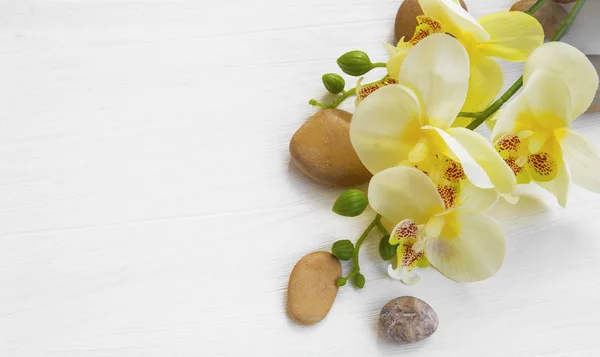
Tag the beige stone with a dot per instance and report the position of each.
(406, 18)
(551, 15)
(312, 289)
(321, 149)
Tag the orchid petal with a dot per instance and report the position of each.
(486, 156)
(548, 100)
(406, 235)
(385, 127)
(403, 193)
(437, 69)
(507, 119)
(583, 159)
(454, 18)
(560, 185)
(471, 248)
(476, 200)
(452, 148)
(514, 35)
(485, 83)
(572, 66)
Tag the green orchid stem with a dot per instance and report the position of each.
(538, 5)
(337, 102)
(483, 116)
(341, 98)
(379, 65)
(355, 265)
(382, 228)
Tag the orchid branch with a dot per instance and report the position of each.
(483, 116)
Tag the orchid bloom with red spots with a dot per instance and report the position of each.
(508, 35)
(532, 133)
(461, 243)
(409, 124)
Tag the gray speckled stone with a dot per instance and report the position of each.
(407, 319)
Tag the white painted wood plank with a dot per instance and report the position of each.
(149, 207)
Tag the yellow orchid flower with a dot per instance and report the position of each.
(532, 133)
(410, 124)
(461, 244)
(508, 35)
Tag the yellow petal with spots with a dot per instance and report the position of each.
(455, 19)
(405, 235)
(573, 67)
(485, 82)
(543, 166)
(513, 152)
(514, 35)
(471, 248)
(559, 186)
(450, 147)
(385, 127)
(583, 159)
(486, 156)
(403, 193)
(363, 91)
(426, 26)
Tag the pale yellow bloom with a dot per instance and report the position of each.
(532, 133)
(508, 35)
(410, 124)
(462, 244)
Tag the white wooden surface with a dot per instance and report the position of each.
(148, 206)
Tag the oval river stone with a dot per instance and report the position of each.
(322, 150)
(407, 319)
(312, 289)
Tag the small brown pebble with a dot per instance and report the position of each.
(322, 150)
(407, 319)
(406, 18)
(312, 289)
(551, 15)
(595, 107)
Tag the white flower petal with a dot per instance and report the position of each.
(582, 158)
(486, 156)
(450, 147)
(403, 193)
(385, 127)
(437, 69)
(403, 274)
(455, 18)
(573, 67)
(472, 250)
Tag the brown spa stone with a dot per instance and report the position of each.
(311, 288)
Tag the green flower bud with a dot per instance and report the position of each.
(340, 282)
(343, 249)
(351, 203)
(386, 250)
(359, 281)
(334, 83)
(355, 63)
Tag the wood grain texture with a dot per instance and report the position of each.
(149, 208)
